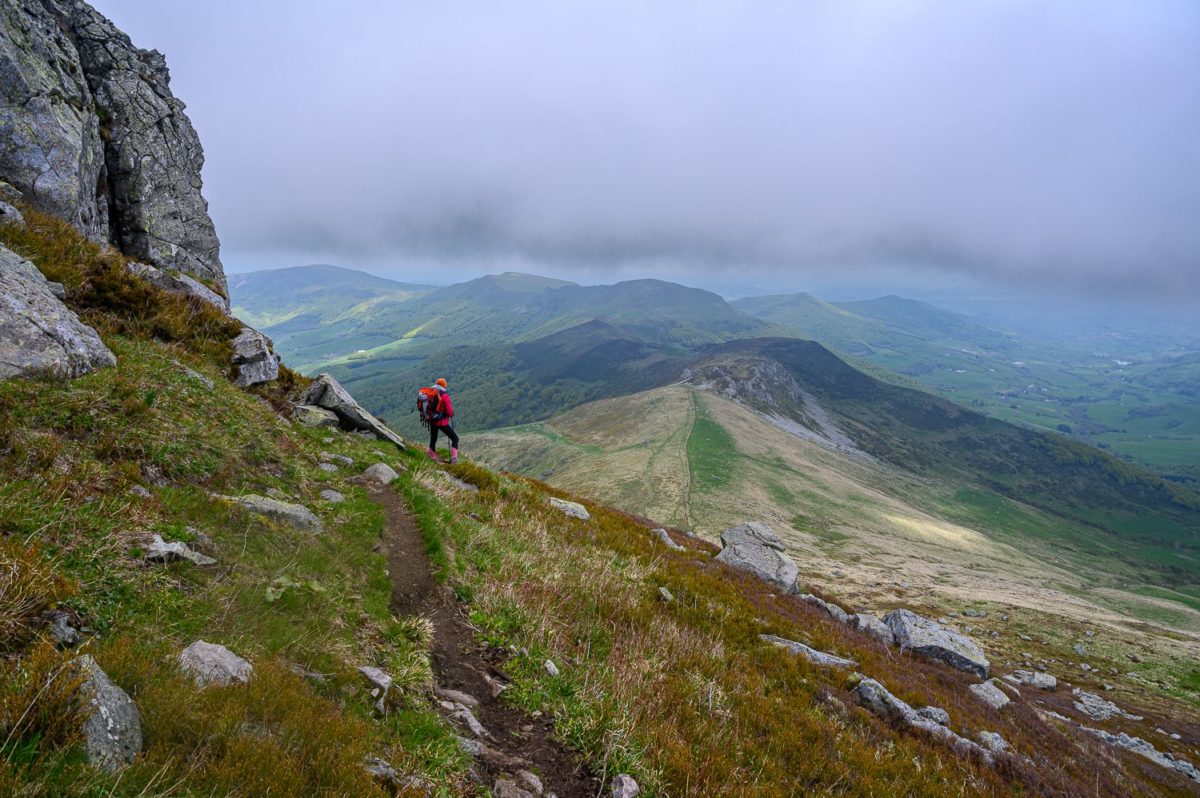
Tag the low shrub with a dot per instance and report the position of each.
(28, 587)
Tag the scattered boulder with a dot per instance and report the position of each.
(466, 717)
(931, 639)
(570, 509)
(332, 496)
(1098, 708)
(993, 742)
(665, 595)
(196, 376)
(459, 697)
(340, 459)
(10, 215)
(328, 393)
(665, 538)
(1139, 746)
(382, 772)
(975, 613)
(255, 358)
(623, 786)
(140, 491)
(112, 731)
(382, 473)
(1080, 649)
(935, 714)
(990, 693)
(550, 667)
(530, 782)
(507, 788)
(755, 548)
(834, 611)
(1042, 681)
(811, 654)
(876, 698)
(380, 683)
(328, 468)
(869, 624)
(295, 515)
(490, 756)
(61, 631)
(209, 663)
(161, 551)
(313, 416)
(38, 333)
(179, 284)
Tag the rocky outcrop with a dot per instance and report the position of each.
(664, 538)
(989, 692)
(312, 416)
(570, 509)
(254, 357)
(382, 473)
(833, 610)
(112, 728)
(623, 786)
(755, 548)
(876, 698)
(870, 625)
(814, 656)
(931, 639)
(38, 333)
(328, 393)
(295, 515)
(179, 283)
(1042, 681)
(1139, 746)
(160, 551)
(90, 132)
(209, 663)
(1098, 708)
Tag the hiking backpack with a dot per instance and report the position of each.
(427, 402)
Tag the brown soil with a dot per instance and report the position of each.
(461, 663)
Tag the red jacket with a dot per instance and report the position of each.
(444, 411)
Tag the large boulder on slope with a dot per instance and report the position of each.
(112, 728)
(295, 515)
(255, 358)
(179, 283)
(328, 393)
(38, 333)
(755, 548)
(930, 639)
(209, 663)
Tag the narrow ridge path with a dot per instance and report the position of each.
(518, 741)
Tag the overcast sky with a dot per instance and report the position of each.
(1042, 142)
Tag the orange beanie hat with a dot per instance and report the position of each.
(441, 381)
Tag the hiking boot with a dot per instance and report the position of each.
(432, 455)
(453, 455)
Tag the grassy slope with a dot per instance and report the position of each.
(682, 695)
(878, 525)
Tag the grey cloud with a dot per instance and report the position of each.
(1022, 140)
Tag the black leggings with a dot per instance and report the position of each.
(450, 433)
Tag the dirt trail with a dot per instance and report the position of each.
(518, 741)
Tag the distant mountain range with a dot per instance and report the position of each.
(384, 337)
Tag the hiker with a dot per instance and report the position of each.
(438, 414)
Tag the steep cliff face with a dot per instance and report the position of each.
(90, 131)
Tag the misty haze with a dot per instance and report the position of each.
(599, 399)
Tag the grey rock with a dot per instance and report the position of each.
(550, 667)
(877, 699)
(869, 624)
(1042, 681)
(255, 358)
(382, 772)
(571, 509)
(665, 539)
(381, 473)
(935, 714)
(507, 788)
(975, 613)
(1080, 649)
(993, 742)
(466, 717)
(834, 611)
(179, 283)
(196, 376)
(328, 393)
(490, 756)
(112, 730)
(755, 548)
(38, 333)
(1143, 748)
(90, 132)
(811, 654)
(295, 515)
(665, 595)
(1098, 708)
(455, 482)
(332, 496)
(530, 782)
(340, 459)
(140, 491)
(212, 664)
(162, 552)
(930, 639)
(313, 416)
(459, 697)
(61, 632)
(623, 786)
(990, 693)
(10, 215)
(328, 468)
